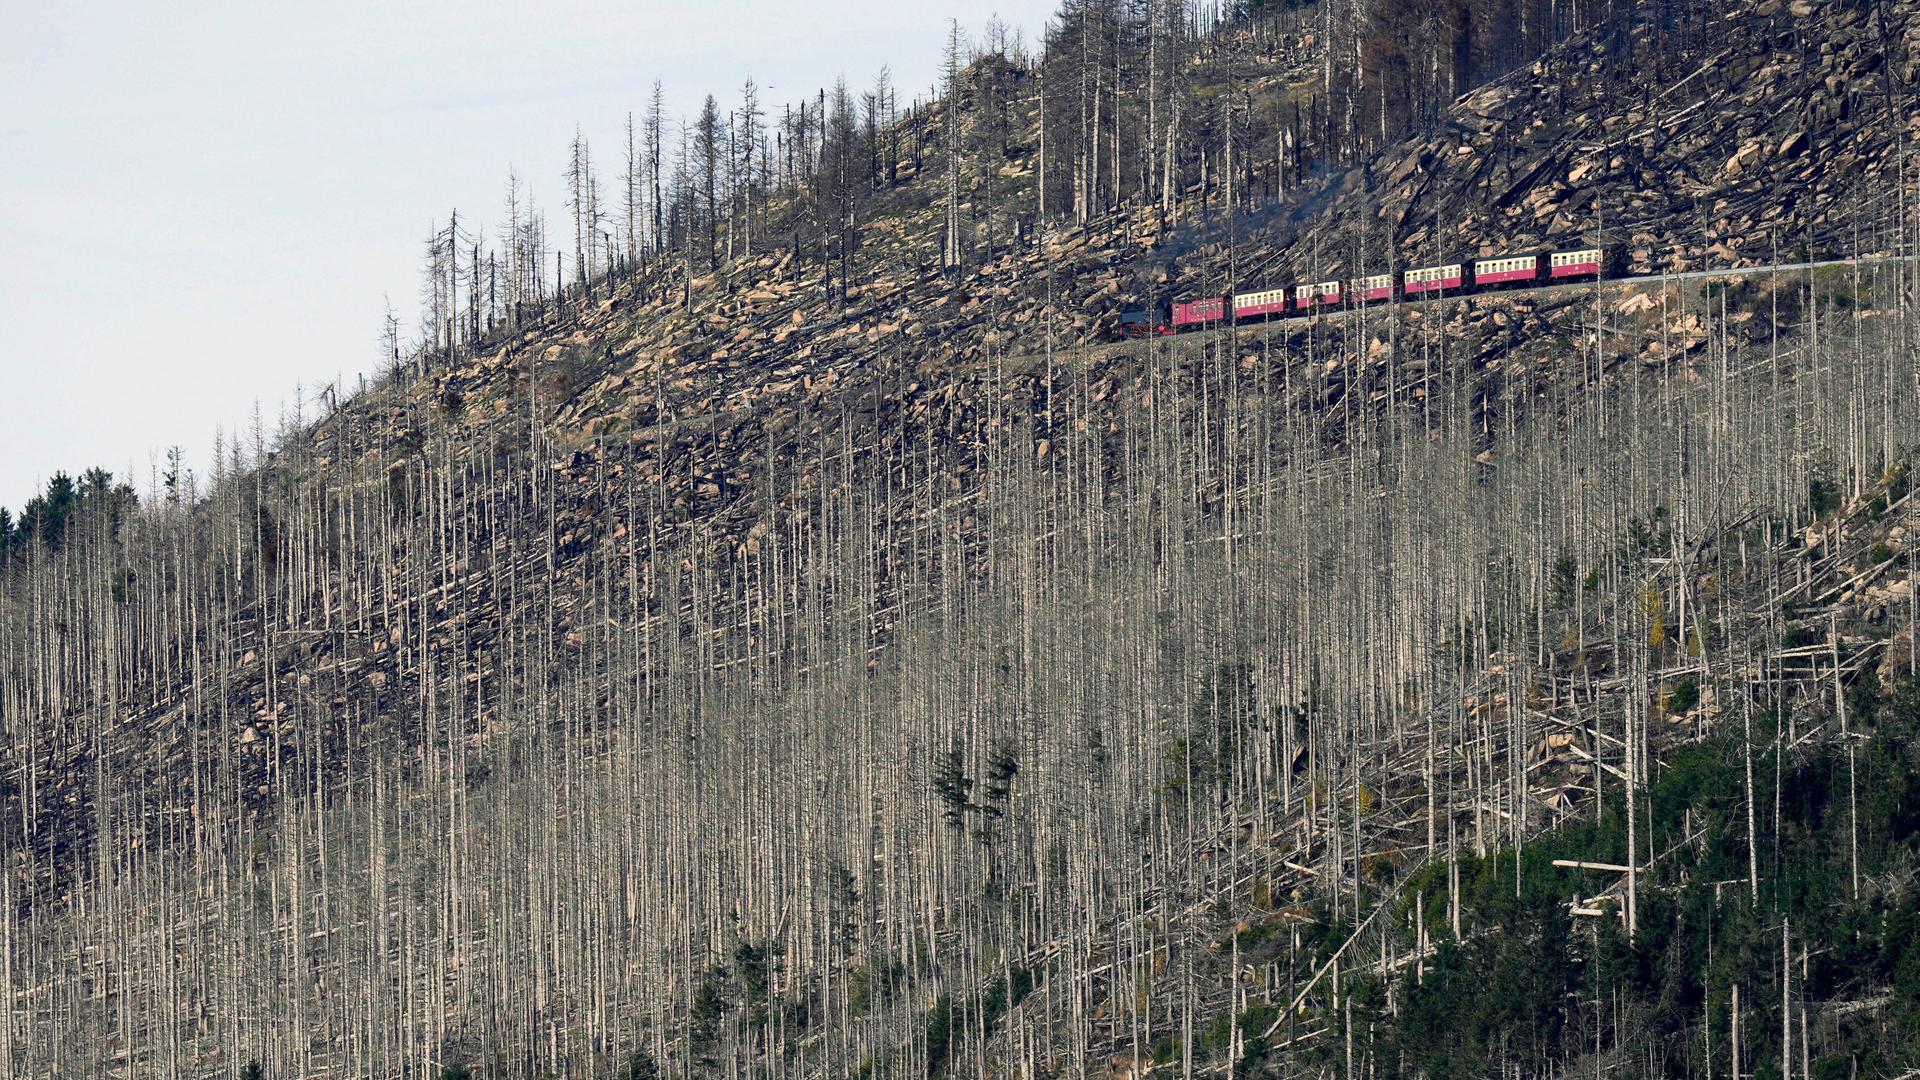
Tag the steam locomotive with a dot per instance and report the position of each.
(1503, 271)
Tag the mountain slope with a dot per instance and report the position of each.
(863, 681)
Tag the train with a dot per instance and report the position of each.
(1299, 301)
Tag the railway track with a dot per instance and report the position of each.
(1033, 361)
(1267, 327)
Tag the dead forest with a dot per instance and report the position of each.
(1023, 707)
(358, 773)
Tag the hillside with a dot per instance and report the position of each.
(1514, 167)
(864, 667)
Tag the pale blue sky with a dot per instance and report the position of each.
(203, 203)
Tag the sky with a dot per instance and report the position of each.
(203, 205)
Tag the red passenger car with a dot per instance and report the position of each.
(1194, 312)
(1435, 278)
(1378, 287)
(1576, 263)
(1506, 268)
(1252, 305)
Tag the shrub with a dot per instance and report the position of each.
(641, 1066)
(1823, 496)
(707, 1009)
(1686, 694)
(939, 1035)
